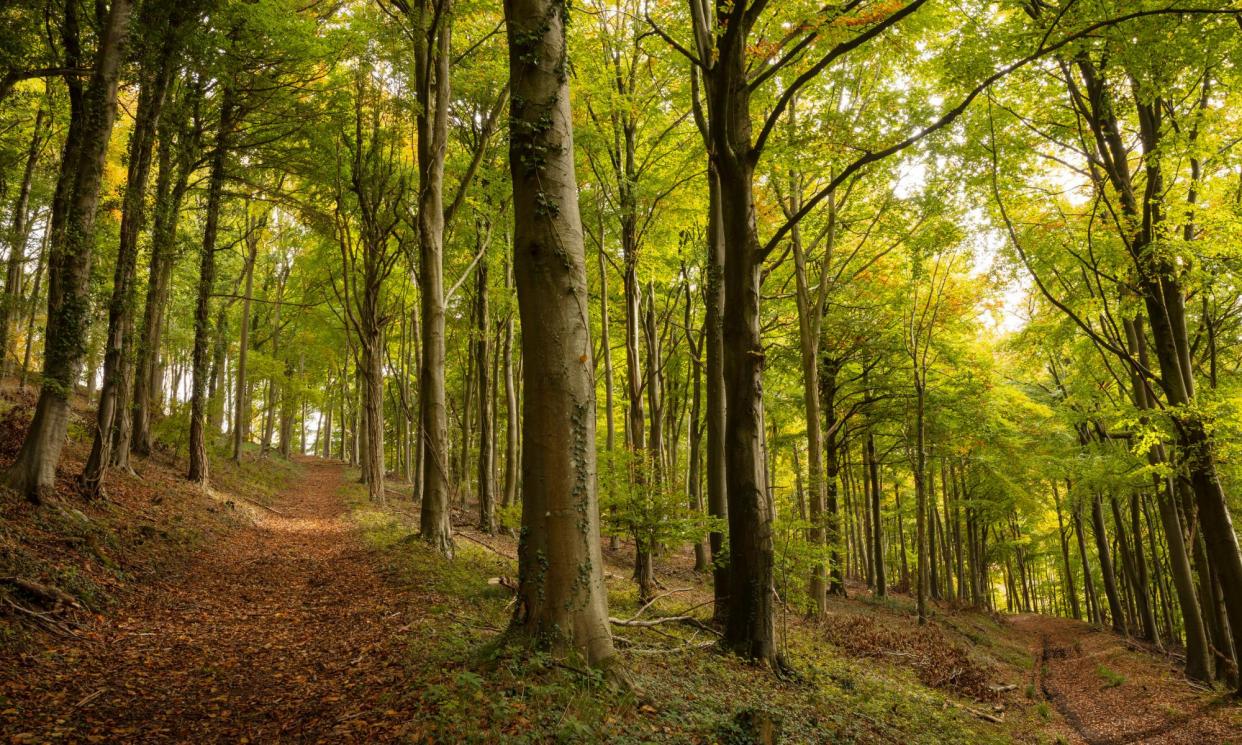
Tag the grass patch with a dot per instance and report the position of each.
(1111, 677)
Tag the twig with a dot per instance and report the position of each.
(43, 619)
(661, 596)
(89, 698)
(493, 549)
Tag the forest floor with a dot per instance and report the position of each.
(286, 608)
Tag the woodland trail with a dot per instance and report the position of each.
(1113, 693)
(280, 632)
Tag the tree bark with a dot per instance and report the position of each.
(432, 59)
(199, 466)
(172, 183)
(562, 600)
(241, 397)
(487, 425)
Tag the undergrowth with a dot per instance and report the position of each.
(472, 682)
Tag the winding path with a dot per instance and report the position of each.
(1112, 694)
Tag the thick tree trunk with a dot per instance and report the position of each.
(562, 600)
(34, 471)
(750, 629)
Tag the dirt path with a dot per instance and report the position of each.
(1113, 694)
(283, 632)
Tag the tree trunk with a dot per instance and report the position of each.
(511, 407)
(1065, 555)
(694, 486)
(920, 491)
(482, 354)
(18, 235)
(877, 536)
(713, 368)
(34, 472)
(41, 263)
(172, 182)
(562, 600)
(112, 424)
(241, 398)
(432, 74)
(198, 470)
(1106, 566)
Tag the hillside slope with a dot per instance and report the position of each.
(282, 606)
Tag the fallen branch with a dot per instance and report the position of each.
(269, 508)
(504, 582)
(42, 618)
(493, 549)
(50, 594)
(649, 623)
(981, 714)
(661, 596)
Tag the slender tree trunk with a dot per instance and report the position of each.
(18, 235)
(41, 262)
(112, 423)
(511, 407)
(241, 404)
(694, 486)
(713, 301)
(920, 498)
(877, 548)
(487, 424)
(432, 73)
(1065, 555)
(371, 424)
(172, 183)
(1106, 566)
(198, 470)
(562, 600)
(1088, 584)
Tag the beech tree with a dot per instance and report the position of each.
(561, 595)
